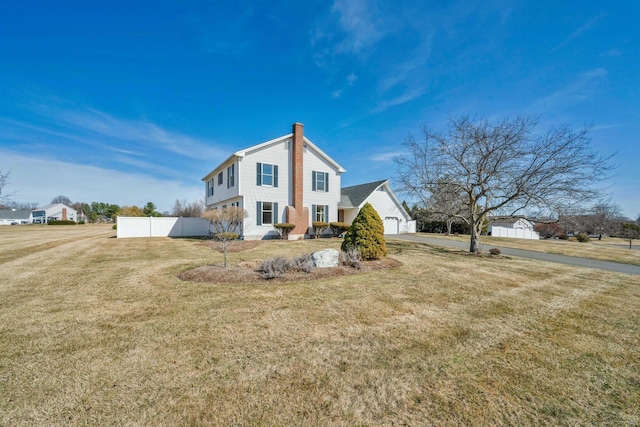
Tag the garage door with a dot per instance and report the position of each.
(391, 225)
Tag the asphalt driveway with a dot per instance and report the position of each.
(540, 256)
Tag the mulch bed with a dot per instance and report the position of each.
(249, 272)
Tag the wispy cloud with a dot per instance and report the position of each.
(581, 89)
(385, 157)
(578, 32)
(353, 36)
(408, 95)
(32, 181)
(607, 126)
(409, 69)
(102, 124)
(62, 130)
(359, 31)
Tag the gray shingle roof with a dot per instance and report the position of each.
(352, 197)
(11, 214)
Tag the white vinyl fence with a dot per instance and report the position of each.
(129, 226)
(518, 233)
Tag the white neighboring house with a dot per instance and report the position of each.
(286, 179)
(519, 228)
(54, 211)
(395, 218)
(14, 217)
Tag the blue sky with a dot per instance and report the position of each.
(130, 102)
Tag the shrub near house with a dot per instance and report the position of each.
(367, 234)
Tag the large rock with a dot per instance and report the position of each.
(326, 258)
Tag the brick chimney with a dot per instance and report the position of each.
(297, 169)
(297, 214)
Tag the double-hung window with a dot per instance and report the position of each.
(220, 178)
(267, 175)
(320, 213)
(230, 176)
(266, 213)
(320, 181)
(210, 186)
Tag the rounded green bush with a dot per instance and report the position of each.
(367, 234)
(582, 238)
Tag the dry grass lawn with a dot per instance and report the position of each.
(608, 249)
(101, 331)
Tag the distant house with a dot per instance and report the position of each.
(519, 228)
(395, 218)
(14, 217)
(290, 179)
(54, 211)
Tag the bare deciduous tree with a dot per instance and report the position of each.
(20, 206)
(227, 225)
(630, 232)
(447, 204)
(183, 208)
(603, 217)
(4, 180)
(62, 199)
(502, 168)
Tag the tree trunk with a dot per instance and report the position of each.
(474, 247)
(449, 224)
(475, 244)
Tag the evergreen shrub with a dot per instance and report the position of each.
(367, 234)
(61, 222)
(582, 238)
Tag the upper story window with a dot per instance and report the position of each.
(210, 186)
(220, 178)
(267, 175)
(230, 176)
(320, 181)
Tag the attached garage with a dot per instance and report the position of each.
(395, 218)
(391, 225)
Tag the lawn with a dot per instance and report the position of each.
(100, 331)
(608, 249)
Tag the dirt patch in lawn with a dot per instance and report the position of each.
(248, 272)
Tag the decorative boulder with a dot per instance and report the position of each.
(326, 258)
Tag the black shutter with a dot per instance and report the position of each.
(326, 182)
(326, 213)
(259, 174)
(275, 219)
(275, 175)
(259, 213)
(313, 181)
(314, 213)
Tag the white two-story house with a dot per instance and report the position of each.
(287, 179)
